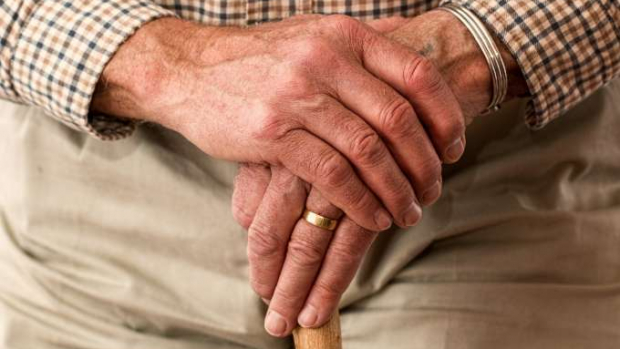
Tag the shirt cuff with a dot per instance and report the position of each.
(557, 44)
(62, 50)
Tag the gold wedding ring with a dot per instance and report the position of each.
(320, 221)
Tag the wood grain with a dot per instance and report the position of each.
(325, 337)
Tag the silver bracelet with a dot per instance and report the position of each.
(489, 50)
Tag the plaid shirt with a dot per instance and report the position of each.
(52, 52)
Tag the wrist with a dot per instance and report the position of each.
(464, 67)
(138, 80)
(444, 40)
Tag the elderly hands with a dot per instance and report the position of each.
(328, 106)
(302, 270)
(327, 98)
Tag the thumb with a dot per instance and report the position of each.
(386, 25)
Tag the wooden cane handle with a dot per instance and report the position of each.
(325, 337)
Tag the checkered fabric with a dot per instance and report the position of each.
(52, 52)
(566, 48)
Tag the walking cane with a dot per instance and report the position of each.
(325, 337)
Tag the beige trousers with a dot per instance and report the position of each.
(131, 244)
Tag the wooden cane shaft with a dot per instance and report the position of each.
(325, 337)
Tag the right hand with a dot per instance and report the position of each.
(329, 98)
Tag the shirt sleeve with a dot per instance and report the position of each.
(566, 49)
(52, 53)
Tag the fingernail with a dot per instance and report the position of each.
(413, 214)
(275, 324)
(308, 317)
(383, 219)
(432, 194)
(455, 150)
(267, 301)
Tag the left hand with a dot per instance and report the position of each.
(303, 274)
(294, 264)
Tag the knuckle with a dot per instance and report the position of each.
(429, 172)
(240, 215)
(421, 75)
(303, 253)
(342, 22)
(314, 102)
(261, 287)
(288, 186)
(296, 81)
(361, 201)
(451, 129)
(270, 124)
(367, 147)
(262, 244)
(460, 121)
(285, 299)
(333, 169)
(352, 30)
(399, 195)
(313, 52)
(328, 291)
(349, 254)
(398, 117)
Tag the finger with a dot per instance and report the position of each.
(304, 256)
(388, 24)
(325, 168)
(365, 149)
(344, 255)
(393, 117)
(251, 183)
(416, 78)
(269, 233)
